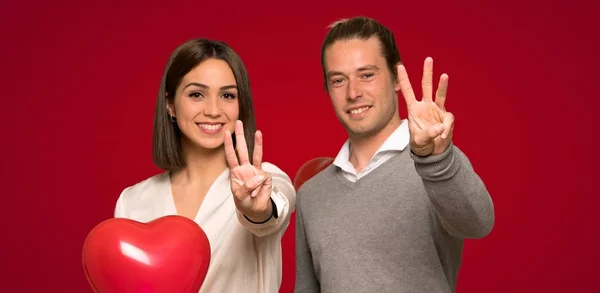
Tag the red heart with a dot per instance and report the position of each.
(310, 169)
(170, 254)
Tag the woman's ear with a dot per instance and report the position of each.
(169, 106)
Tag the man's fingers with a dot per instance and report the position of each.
(427, 81)
(440, 94)
(258, 150)
(434, 131)
(448, 124)
(232, 160)
(416, 121)
(405, 87)
(240, 142)
(427, 133)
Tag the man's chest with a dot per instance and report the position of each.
(368, 216)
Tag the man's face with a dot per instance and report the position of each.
(361, 87)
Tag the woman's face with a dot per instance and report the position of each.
(206, 104)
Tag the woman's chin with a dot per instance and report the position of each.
(206, 144)
(210, 145)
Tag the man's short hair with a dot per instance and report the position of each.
(363, 28)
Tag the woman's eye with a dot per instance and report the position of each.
(229, 96)
(195, 95)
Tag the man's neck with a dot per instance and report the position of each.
(362, 149)
(202, 166)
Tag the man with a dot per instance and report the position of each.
(392, 211)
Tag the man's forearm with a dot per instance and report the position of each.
(457, 193)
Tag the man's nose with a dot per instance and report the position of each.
(354, 90)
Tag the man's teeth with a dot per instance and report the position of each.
(211, 127)
(359, 110)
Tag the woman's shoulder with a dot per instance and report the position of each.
(270, 166)
(137, 201)
(274, 170)
(145, 187)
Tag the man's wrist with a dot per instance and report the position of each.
(418, 155)
(437, 167)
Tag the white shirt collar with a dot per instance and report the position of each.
(397, 141)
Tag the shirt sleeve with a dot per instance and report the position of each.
(283, 196)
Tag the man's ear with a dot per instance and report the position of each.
(397, 80)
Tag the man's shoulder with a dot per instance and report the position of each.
(320, 180)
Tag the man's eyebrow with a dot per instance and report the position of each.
(332, 73)
(360, 69)
(368, 67)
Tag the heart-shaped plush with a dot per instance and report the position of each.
(170, 254)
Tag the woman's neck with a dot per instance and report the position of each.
(202, 166)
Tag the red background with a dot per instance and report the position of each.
(79, 82)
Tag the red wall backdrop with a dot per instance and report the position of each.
(79, 81)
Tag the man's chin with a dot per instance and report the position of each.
(360, 131)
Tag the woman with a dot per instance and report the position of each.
(204, 110)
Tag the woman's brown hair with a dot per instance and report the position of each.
(166, 140)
